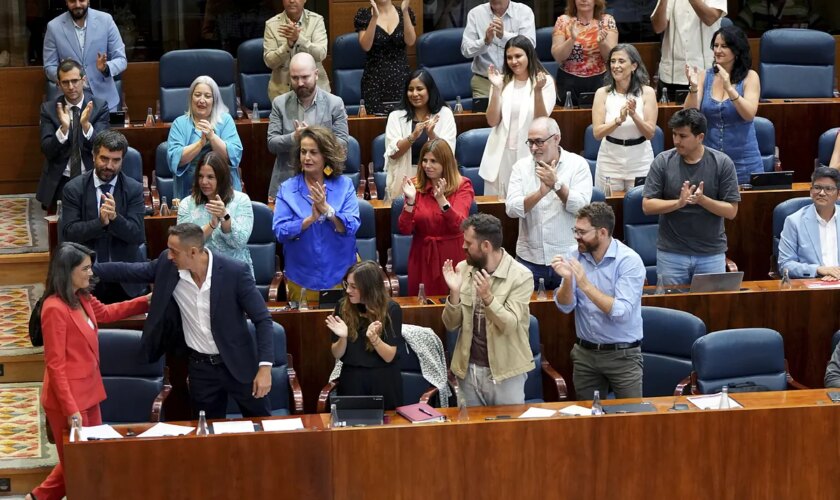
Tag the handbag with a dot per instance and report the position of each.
(36, 336)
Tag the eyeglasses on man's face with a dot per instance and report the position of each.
(67, 84)
(816, 188)
(580, 232)
(538, 142)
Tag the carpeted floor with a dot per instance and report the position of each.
(16, 303)
(23, 436)
(22, 225)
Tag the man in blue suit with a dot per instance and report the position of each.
(92, 38)
(809, 244)
(199, 306)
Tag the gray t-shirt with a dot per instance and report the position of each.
(692, 230)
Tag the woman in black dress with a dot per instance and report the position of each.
(384, 33)
(366, 335)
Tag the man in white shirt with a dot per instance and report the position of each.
(545, 193)
(489, 27)
(688, 26)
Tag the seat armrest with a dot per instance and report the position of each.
(792, 384)
(157, 405)
(680, 389)
(155, 195)
(557, 382)
(324, 396)
(428, 395)
(275, 286)
(731, 266)
(294, 387)
(392, 283)
(361, 191)
(371, 184)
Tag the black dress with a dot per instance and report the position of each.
(365, 373)
(386, 67)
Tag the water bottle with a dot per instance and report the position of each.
(76, 429)
(569, 104)
(58, 210)
(304, 304)
(126, 122)
(541, 295)
(255, 114)
(724, 398)
(785, 285)
(421, 295)
(597, 409)
(660, 285)
(157, 110)
(362, 110)
(463, 412)
(150, 118)
(164, 208)
(607, 187)
(459, 108)
(202, 430)
(334, 422)
(663, 99)
(239, 113)
(777, 162)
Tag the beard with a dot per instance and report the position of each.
(584, 247)
(304, 92)
(479, 262)
(79, 13)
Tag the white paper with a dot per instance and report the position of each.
(711, 402)
(283, 424)
(576, 410)
(534, 412)
(231, 427)
(97, 432)
(162, 429)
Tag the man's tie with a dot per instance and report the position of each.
(105, 188)
(75, 143)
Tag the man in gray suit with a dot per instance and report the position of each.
(304, 105)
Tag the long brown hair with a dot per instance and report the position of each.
(367, 276)
(224, 186)
(443, 154)
(535, 67)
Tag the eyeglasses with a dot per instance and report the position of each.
(580, 232)
(70, 83)
(816, 188)
(348, 286)
(538, 142)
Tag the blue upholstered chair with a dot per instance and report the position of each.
(285, 396)
(780, 213)
(178, 69)
(591, 145)
(738, 356)
(666, 348)
(379, 175)
(765, 133)
(263, 247)
(353, 164)
(544, 51)
(469, 148)
(825, 146)
(597, 195)
(162, 181)
(348, 61)
(641, 231)
(135, 389)
(439, 52)
(253, 76)
(796, 63)
(366, 234)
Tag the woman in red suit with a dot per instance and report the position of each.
(69, 318)
(436, 203)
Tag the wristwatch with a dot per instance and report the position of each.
(445, 207)
(558, 185)
(226, 217)
(330, 212)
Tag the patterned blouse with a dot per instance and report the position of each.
(233, 244)
(585, 59)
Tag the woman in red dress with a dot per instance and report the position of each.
(436, 203)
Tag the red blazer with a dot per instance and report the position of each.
(72, 381)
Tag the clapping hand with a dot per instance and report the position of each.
(206, 130)
(547, 174)
(685, 192)
(495, 77)
(622, 115)
(216, 208)
(318, 195)
(108, 209)
(409, 190)
(691, 73)
(541, 81)
(451, 276)
(724, 77)
(631, 107)
(430, 126)
(418, 129)
(561, 267)
(373, 331)
(481, 280)
(696, 194)
(489, 33)
(101, 60)
(299, 126)
(337, 326)
(572, 32)
(290, 32)
(63, 116)
(602, 35)
(374, 11)
(84, 119)
(439, 191)
(579, 273)
(404, 6)
(499, 26)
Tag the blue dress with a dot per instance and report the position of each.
(729, 133)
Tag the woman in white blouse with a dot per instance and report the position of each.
(525, 91)
(422, 116)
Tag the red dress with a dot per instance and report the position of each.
(437, 236)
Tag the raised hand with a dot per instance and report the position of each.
(631, 107)
(404, 6)
(408, 189)
(451, 276)
(216, 207)
(430, 125)
(691, 73)
(337, 326)
(685, 192)
(84, 119)
(495, 77)
(107, 209)
(374, 11)
(481, 280)
(724, 77)
(299, 126)
(101, 60)
(696, 194)
(439, 190)
(541, 80)
(547, 173)
(373, 332)
(63, 116)
(561, 266)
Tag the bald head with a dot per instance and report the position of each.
(302, 61)
(545, 124)
(303, 75)
(544, 139)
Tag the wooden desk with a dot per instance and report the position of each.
(781, 445)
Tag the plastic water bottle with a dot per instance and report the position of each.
(304, 304)
(150, 118)
(569, 104)
(463, 412)
(421, 295)
(164, 208)
(239, 113)
(541, 295)
(201, 429)
(597, 409)
(459, 108)
(126, 122)
(157, 110)
(777, 162)
(58, 210)
(76, 429)
(785, 285)
(607, 187)
(255, 114)
(724, 398)
(334, 422)
(362, 110)
(660, 285)
(663, 99)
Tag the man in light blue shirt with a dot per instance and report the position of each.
(602, 283)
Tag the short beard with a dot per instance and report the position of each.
(82, 16)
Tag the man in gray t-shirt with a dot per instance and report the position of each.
(692, 188)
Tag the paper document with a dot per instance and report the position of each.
(822, 284)
(231, 427)
(576, 410)
(283, 424)
(97, 432)
(537, 413)
(711, 402)
(163, 429)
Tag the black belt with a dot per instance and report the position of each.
(626, 142)
(607, 347)
(200, 357)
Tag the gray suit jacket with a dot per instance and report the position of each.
(329, 112)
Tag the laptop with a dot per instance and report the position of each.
(387, 107)
(680, 95)
(772, 180)
(479, 104)
(585, 100)
(716, 282)
(359, 410)
(639, 181)
(117, 118)
(327, 299)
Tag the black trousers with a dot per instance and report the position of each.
(212, 384)
(576, 85)
(362, 381)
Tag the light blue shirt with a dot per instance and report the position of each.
(81, 31)
(620, 274)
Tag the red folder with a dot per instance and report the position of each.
(420, 413)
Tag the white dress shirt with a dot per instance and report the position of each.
(828, 240)
(97, 183)
(546, 230)
(518, 19)
(61, 137)
(686, 40)
(194, 303)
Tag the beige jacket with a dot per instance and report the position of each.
(277, 54)
(507, 320)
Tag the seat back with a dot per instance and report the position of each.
(366, 234)
(400, 246)
(413, 382)
(780, 213)
(278, 396)
(641, 231)
(666, 348)
(737, 356)
(178, 69)
(544, 51)
(765, 133)
(597, 195)
(348, 61)
(262, 245)
(379, 176)
(132, 165)
(825, 145)
(796, 63)
(469, 148)
(439, 52)
(163, 175)
(254, 76)
(131, 384)
(353, 163)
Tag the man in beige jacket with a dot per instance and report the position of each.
(489, 294)
(293, 31)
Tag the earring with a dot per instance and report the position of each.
(328, 170)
